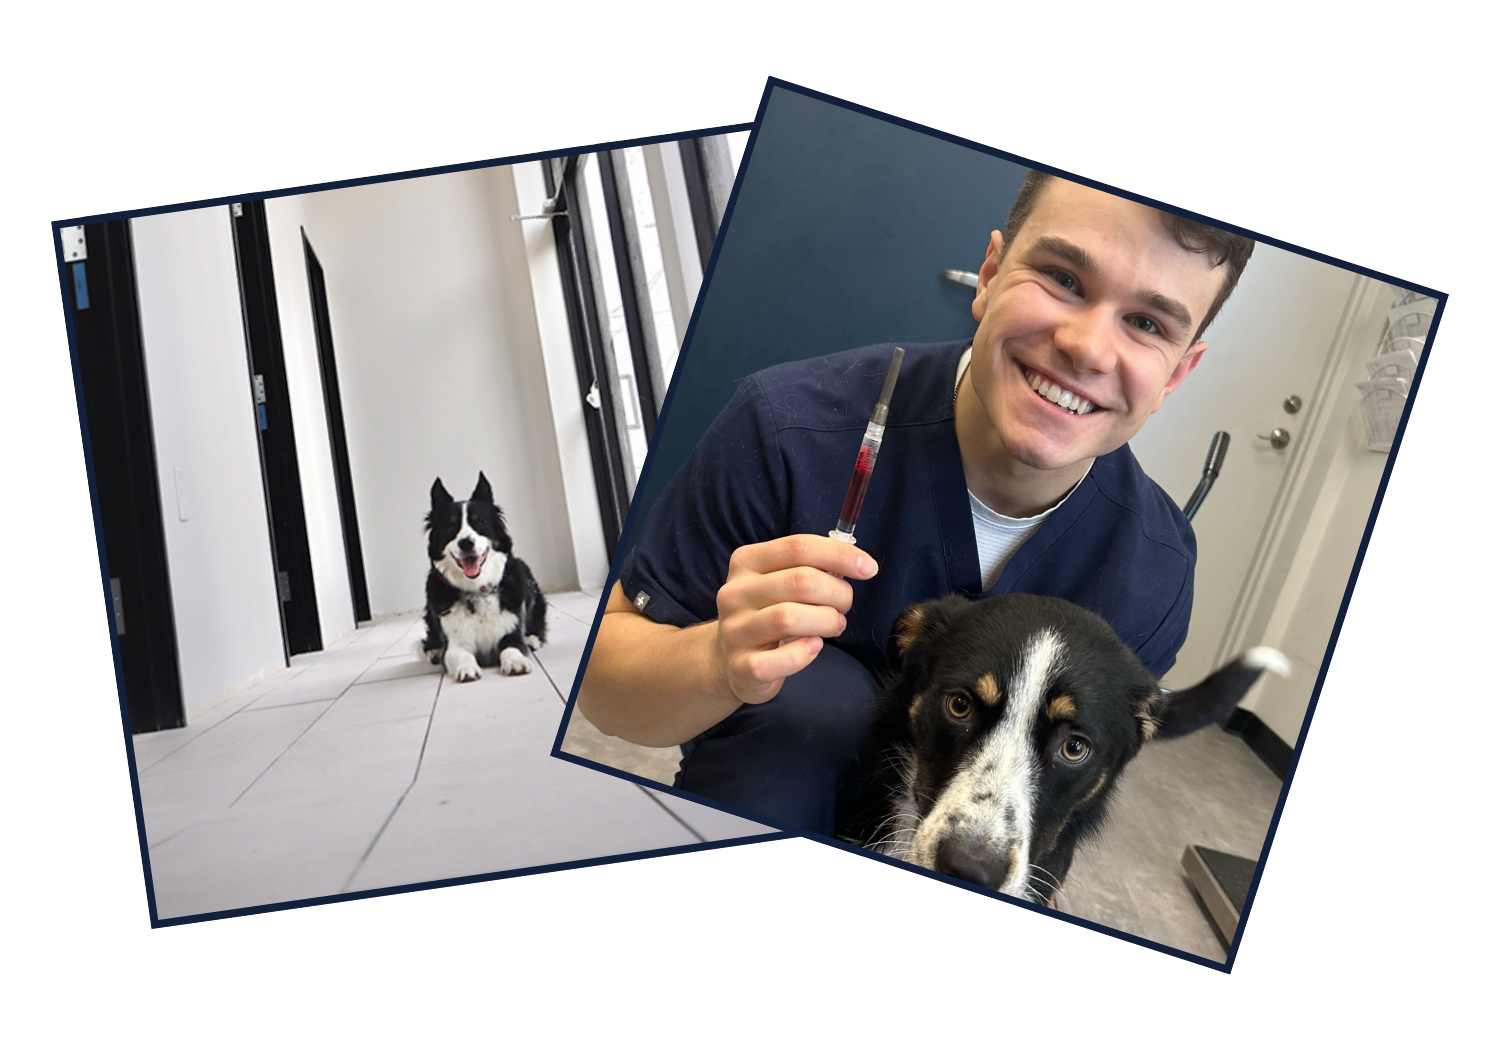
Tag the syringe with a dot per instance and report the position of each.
(869, 448)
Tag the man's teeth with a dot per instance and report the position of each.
(1058, 396)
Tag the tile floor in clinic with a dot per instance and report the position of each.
(362, 767)
(1205, 789)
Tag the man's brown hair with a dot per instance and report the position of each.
(1225, 248)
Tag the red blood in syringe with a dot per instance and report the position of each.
(854, 499)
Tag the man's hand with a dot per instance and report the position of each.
(778, 605)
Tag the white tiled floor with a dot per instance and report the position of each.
(364, 767)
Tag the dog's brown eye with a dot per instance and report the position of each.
(1074, 749)
(959, 706)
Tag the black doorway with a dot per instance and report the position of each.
(109, 368)
(337, 440)
(300, 629)
(589, 349)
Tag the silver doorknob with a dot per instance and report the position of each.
(1279, 438)
(1292, 405)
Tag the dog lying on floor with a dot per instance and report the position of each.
(1003, 732)
(484, 608)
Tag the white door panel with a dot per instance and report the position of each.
(1272, 339)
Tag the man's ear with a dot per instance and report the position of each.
(987, 272)
(1187, 364)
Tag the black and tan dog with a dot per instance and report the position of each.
(1003, 732)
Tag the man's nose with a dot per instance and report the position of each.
(1088, 339)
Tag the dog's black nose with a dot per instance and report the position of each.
(466, 544)
(973, 860)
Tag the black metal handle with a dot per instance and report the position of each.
(1218, 448)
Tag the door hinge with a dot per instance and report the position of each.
(117, 596)
(260, 389)
(75, 247)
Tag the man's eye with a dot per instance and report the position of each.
(1064, 278)
(1146, 324)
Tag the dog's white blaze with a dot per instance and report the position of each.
(448, 565)
(1004, 769)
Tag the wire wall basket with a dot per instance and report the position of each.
(1382, 397)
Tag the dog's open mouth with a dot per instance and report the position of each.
(472, 565)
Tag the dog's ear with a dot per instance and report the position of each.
(1148, 709)
(917, 622)
(482, 493)
(440, 497)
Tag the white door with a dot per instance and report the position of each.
(1272, 340)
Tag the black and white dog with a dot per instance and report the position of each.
(484, 608)
(1003, 731)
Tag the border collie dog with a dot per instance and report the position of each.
(1002, 733)
(484, 608)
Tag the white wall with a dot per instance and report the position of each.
(440, 368)
(325, 538)
(223, 583)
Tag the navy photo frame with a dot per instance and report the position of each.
(663, 461)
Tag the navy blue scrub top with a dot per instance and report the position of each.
(777, 462)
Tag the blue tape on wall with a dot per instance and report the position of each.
(80, 287)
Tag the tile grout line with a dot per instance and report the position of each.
(550, 680)
(645, 791)
(305, 730)
(651, 795)
(431, 717)
(209, 729)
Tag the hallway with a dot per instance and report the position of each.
(363, 767)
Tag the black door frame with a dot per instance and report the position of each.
(337, 439)
(700, 203)
(281, 477)
(610, 484)
(634, 294)
(590, 347)
(114, 409)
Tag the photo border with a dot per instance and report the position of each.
(88, 456)
(773, 83)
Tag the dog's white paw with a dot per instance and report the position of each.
(533, 641)
(462, 666)
(513, 661)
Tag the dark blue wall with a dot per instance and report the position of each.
(842, 226)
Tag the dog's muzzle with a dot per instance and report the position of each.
(469, 562)
(975, 860)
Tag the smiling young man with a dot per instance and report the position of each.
(1004, 468)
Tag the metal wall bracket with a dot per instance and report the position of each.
(75, 247)
(551, 209)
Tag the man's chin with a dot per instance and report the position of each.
(1050, 456)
